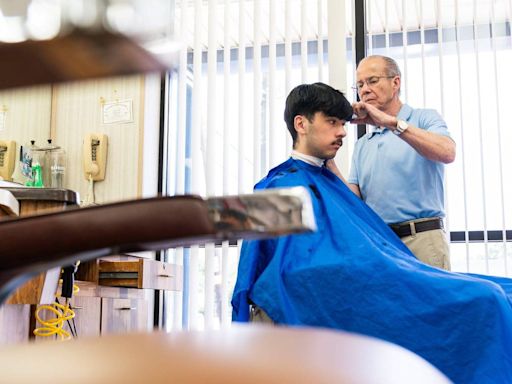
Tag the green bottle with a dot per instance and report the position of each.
(38, 175)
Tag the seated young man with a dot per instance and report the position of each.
(355, 274)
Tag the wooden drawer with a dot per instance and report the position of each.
(133, 272)
(123, 315)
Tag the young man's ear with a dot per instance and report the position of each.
(299, 122)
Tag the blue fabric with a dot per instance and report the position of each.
(395, 181)
(355, 274)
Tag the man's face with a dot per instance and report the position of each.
(321, 137)
(374, 85)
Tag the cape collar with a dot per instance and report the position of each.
(307, 159)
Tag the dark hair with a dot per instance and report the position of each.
(308, 99)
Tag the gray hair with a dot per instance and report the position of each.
(392, 68)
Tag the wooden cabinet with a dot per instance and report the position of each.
(87, 312)
(116, 293)
(102, 310)
(14, 323)
(132, 272)
(35, 201)
(15, 314)
(123, 315)
(121, 302)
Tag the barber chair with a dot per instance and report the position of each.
(241, 354)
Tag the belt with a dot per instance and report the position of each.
(410, 227)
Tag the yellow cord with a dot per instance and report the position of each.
(55, 326)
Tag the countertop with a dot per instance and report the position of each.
(43, 194)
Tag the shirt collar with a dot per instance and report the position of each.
(307, 159)
(375, 130)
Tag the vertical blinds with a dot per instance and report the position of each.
(238, 61)
(454, 57)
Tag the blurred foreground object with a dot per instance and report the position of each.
(243, 354)
(79, 55)
(65, 237)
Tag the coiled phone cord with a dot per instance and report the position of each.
(55, 325)
(63, 313)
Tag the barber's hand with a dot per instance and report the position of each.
(369, 114)
(331, 166)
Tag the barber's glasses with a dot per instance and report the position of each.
(370, 82)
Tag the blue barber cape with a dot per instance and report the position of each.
(355, 274)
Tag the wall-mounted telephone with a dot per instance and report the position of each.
(95, 156)
(7, 159)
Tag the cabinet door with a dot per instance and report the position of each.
(86, 321)
(87, 315)
(123, 315)
(14, 323)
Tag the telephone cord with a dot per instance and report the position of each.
(90, 199)
(55, 326)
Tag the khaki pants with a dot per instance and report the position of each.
(431, 247)
(258, 315)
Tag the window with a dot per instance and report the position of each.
(241, 58)
(454, 57)
(239, 62)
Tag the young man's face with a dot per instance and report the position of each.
(321, 137)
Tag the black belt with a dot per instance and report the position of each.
(406, 229)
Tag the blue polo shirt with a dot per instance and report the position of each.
(396, 181)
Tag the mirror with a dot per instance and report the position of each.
(66, 113)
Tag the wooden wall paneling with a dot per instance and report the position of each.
(27, 117)
(14, 323)
(140, 157)
(77, 111)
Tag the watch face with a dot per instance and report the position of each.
(402, 125)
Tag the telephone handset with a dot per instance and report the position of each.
(95, 156)
(7, 159)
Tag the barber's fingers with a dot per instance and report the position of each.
(361, 115)
(330, 164)
(359, 110)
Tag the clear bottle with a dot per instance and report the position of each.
(56, 163)
(46, 162)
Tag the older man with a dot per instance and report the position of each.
(398, 167)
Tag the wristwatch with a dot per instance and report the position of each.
(401, 126)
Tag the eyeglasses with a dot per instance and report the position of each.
(370, 82)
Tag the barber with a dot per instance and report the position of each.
(398, 167)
